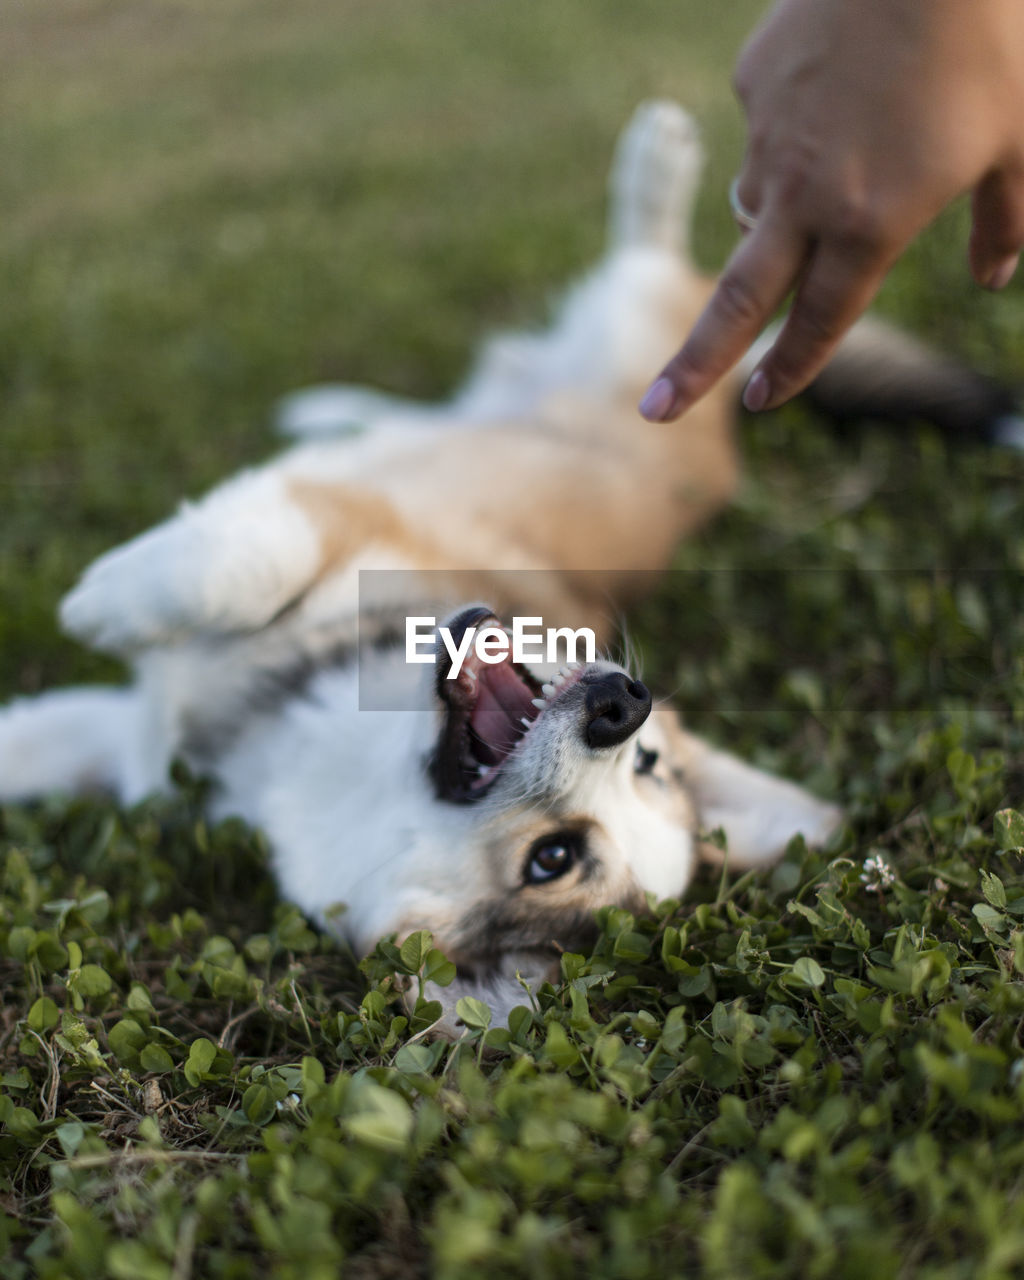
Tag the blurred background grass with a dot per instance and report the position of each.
(208, 206)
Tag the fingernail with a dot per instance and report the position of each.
(756, 393)
(657, 404)
(1003, 274)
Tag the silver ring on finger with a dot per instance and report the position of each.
(745, 220)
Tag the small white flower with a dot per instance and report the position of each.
(877, 874)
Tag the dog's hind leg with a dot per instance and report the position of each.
(338, 409)
(629, 312)
(654, 179)
(228, 563)
(74, 741)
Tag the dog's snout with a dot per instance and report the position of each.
(616, 707)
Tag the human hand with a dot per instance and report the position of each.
(866, 118)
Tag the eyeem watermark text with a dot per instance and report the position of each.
(526, 641)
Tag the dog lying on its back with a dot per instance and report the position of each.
(511, 802)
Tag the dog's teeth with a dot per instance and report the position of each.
(482, 770)
(541, 703)
(565, 672)
(558, 681)
(525, 720)
(575, 666)
(471, 673)
(547, 690)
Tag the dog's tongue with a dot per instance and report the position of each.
(501, 703)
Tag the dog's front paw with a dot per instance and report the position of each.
(131, 597)
(231, 563)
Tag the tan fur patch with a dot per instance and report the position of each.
(348, 520)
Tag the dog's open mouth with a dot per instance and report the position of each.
(489, 708)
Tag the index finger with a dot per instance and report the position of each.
(761, 272)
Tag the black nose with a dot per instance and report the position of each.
(615, 708)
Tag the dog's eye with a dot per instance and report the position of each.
(551, 857)
(645, 760)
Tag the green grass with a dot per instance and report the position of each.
(794, 1074)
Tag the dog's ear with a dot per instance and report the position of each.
(759, 812)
